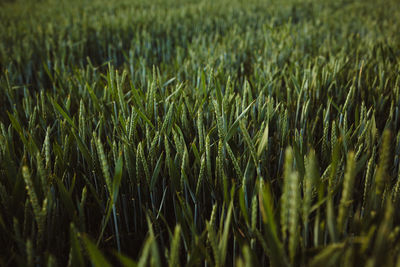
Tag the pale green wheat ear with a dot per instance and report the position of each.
(382, 175)
(212, 237)
(143, 161)
(254, 208)
(103, 162)
(201, 175)
(38, 211)
(200, 125)
(42, 173)
(174, 251)
(293, 195)
(31, 191)
(347, 191)
(367, 183)
(47, 150)
(234, 162)
(309, 184)
(183, 167)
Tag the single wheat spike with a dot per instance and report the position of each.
(104, 163)
(293, 196)
(174, 253)
(382, 171)
(347, 191)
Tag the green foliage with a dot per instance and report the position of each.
(182, 132)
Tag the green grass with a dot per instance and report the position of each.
(199, 133)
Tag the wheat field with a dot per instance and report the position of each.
(199, 133)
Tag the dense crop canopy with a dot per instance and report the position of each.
(199, 133)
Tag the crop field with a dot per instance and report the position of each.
(200, 133)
